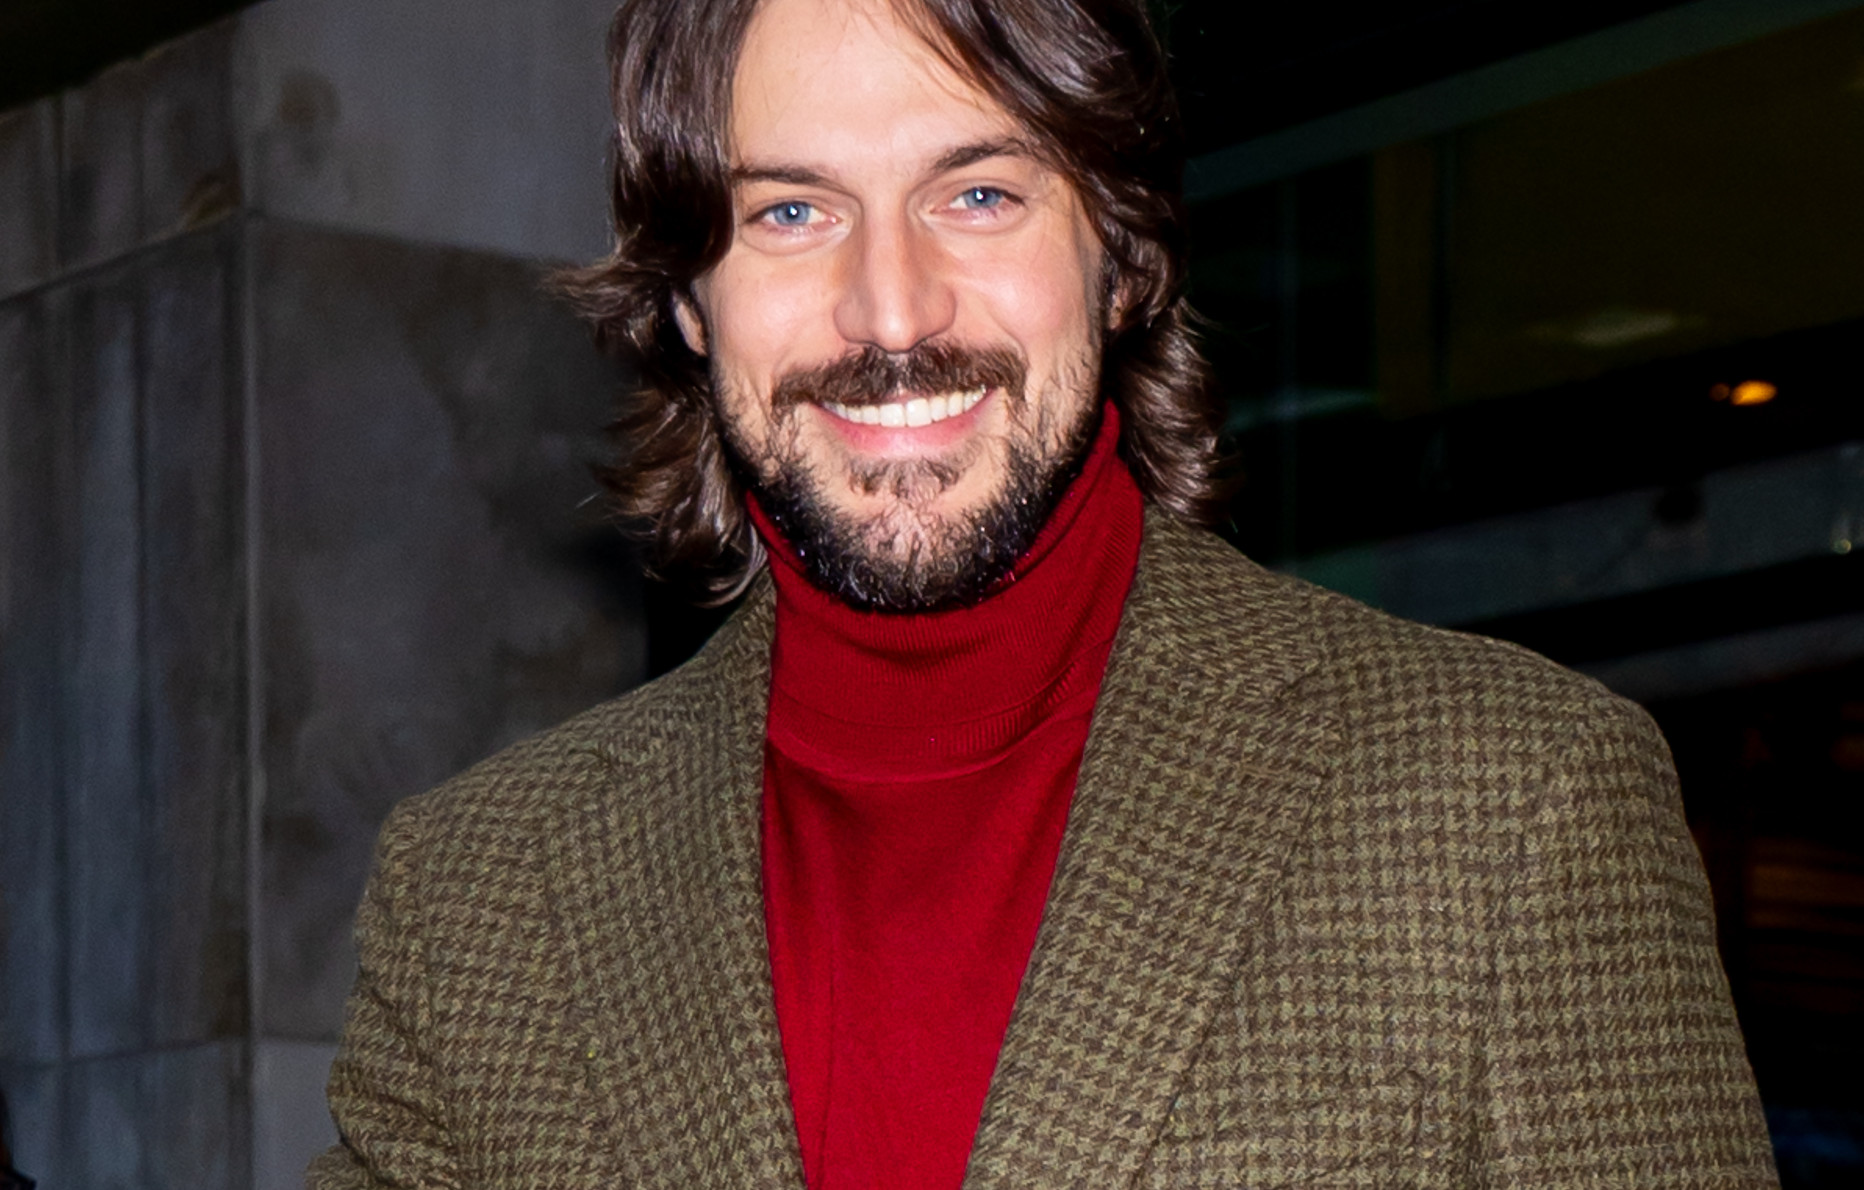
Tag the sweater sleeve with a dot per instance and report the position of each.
(385, 1093)
(1613, 1056)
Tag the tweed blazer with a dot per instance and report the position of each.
(1343, 901)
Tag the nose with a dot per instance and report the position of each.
(895, 291)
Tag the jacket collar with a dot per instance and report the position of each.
(1200, 770)
(657, 877)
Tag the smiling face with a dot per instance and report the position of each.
(904, 333)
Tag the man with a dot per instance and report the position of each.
(1014, 832)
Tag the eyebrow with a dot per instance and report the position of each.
(978, 151)
(958, 158)
(789, 175)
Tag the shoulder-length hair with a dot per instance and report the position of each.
(1085, 77)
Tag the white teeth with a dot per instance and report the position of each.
(918, 411)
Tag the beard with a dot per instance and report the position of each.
(910, 556)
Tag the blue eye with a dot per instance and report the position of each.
(790, 214)
(981, 198)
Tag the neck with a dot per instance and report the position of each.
(951, 689)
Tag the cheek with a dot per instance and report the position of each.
(761, 320)
(1046, 297)
(1045, 312)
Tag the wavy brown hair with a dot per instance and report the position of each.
(1085, 77)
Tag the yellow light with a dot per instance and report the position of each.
(1753, 392)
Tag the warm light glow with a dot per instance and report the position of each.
(1748, 392)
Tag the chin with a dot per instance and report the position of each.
(918, 537)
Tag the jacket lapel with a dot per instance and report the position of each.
(659, 882)
(1200, 771)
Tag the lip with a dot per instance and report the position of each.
(907, 441)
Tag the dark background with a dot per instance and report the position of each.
(1242, 69)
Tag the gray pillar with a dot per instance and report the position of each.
(294, 483)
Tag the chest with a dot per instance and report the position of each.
(1341, 1051)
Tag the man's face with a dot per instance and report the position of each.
(905, 332)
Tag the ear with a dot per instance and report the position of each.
(692, 326)
(1119, 299)
(1122, 290)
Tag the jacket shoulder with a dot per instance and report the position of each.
(1378, 669)
(1412, 670)
(618, 744)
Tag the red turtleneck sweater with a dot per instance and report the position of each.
(917, 777)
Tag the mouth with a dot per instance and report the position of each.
(913, 412)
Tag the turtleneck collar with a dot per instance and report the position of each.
(873, 694)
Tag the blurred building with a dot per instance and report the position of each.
(1539, 319)
(1566, 350)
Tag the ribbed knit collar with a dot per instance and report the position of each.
(873, 695)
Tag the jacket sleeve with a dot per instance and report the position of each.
(1613, 1054)
(385, 1093)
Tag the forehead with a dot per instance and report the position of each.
(845, 82)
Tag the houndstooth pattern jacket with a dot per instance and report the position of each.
(1344, 901)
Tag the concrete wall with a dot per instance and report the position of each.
(480, 125)
(294, 458)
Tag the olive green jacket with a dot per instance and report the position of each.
(1343, 901)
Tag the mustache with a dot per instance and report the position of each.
(871, 376)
